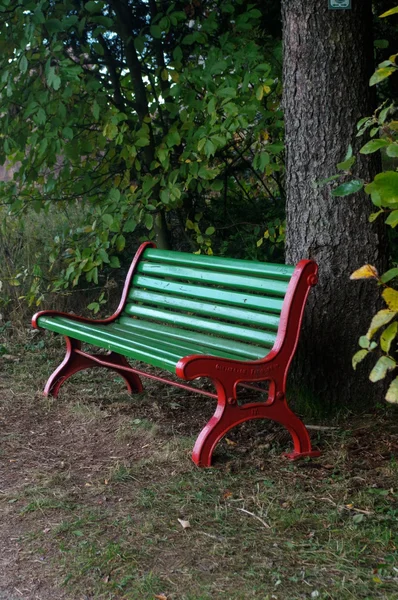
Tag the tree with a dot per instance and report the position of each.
(148, 116)
(327, 65)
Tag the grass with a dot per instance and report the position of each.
(96, 495)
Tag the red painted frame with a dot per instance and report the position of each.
(226, 374)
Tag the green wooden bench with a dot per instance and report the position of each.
(236, 322)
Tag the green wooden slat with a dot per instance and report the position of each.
(275, 288)
(179, 347)
(218, 263)
(196, 323)
(213, 343)
(156, 350)
(205, 308)
(257, 302)
(94, 334)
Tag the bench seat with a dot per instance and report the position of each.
(146, 341)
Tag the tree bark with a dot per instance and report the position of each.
(328, 59)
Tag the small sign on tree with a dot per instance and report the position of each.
(339, 4)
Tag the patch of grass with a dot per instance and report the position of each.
(45, 504)
(127, 429)
(98, 494)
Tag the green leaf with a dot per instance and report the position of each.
(102, 253)
(94, 306)
(392, 392)
(364, 342)
(52, 79)
(373, 146)
(381, 318)
(388, 13)
(23, 64)
(120, 243)
(374, 215)
(381, 74)
(114, 262)
(384, 189)
(348, 188)
(95, 109)
(388, 275)
(114, 194)
(41, 116)
(67, 132)
(383, 365)
(107, 219)
(110, 131)
(148, 220)
(381, 43)
(211, 107)
(349, 152)
(156, 31)
(392, 150)
(346, 164)
(387, 336)
(321, 182)
(129, 226)
(392, 219)
(358, 357)
(358, 518)
(209, 148)
(210, 230)
(53, 25)
(93, 7)
(139, 43)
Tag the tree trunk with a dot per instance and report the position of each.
(328, 59)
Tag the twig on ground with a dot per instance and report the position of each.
(255, 516)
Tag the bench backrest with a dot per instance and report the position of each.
(238, 300)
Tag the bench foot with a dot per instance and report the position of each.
(228, 416)
(76, 361)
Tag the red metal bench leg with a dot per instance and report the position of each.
(74, 362)
(229, 414)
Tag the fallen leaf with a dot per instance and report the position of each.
(184, 524)
(230, 442)
(160, 597)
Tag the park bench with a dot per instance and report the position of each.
(236, 322)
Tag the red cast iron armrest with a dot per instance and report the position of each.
(122, 303)
(199, 365)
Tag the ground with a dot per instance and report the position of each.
(97, 487)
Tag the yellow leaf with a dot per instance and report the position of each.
(230, 442)
(365, 272)
(381, 318)
(391, 298)
(175, 76)
(392, 392)
(267, 89)
(260, 92)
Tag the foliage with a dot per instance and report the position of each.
(149, 118)
(382, 128)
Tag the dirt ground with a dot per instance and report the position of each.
(94, 486)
